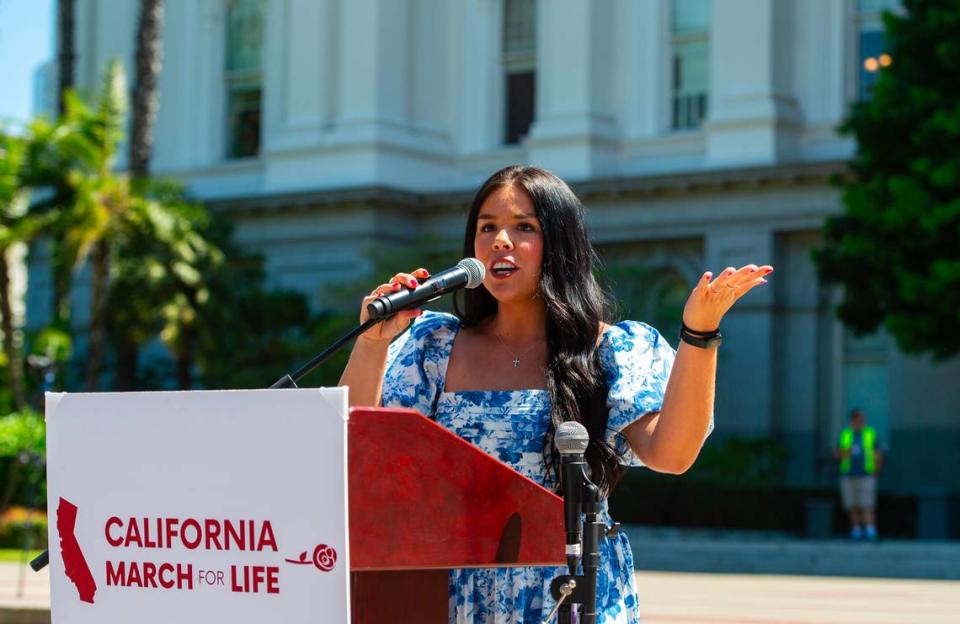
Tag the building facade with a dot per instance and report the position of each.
(699, 134)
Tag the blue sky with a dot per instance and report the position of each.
(26, 41)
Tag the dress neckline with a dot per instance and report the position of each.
(448, 349)
(517, 391)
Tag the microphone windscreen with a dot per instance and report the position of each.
(571, 437)
(475, 271)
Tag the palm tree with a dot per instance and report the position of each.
(66, 63)
(132, 324)
(159, 282)
(103, 203)
(12, 208)
(109, 219)
(66, 59)
(56, 153)
(90, 203)
(145, 100)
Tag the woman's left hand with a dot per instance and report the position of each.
(710, 300)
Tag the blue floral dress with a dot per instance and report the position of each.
(512, 425)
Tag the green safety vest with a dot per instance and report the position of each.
(868, 437)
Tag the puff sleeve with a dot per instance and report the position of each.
(636, 361)
(413, 376)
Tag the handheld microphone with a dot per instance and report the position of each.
(571, 439)
(468, 273)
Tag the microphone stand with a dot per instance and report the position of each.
(593, 528)
(290, 379)
(287, 381)
(569, 589)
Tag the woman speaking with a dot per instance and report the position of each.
(530, 349)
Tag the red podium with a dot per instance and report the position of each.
(423, 501)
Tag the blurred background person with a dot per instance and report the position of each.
(861, 459)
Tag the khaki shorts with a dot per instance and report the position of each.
(859, 492)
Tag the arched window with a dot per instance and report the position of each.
(244, 93)
(519, 67)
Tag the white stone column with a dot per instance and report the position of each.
(373, 73)
(207, 125)
(187, 78)
(296, 74)
(476, 75)
(640, 65)
(754, 117)
(433, 37)
(825, 40)
(574, 132)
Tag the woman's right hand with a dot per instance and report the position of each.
(386, 330)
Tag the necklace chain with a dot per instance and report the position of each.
(516, 357)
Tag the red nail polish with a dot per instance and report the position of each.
(414, 283)
(396, 286)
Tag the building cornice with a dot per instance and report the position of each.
(311, 200)
(713, 180)
(598, 189)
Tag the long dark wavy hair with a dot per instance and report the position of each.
(576, 305)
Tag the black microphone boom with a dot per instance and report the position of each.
(468, 273)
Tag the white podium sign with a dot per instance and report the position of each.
(208, 506)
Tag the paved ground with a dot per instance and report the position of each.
(24, 595)
(680, 598)
(685, 598)
(752, 552)
(19, 585)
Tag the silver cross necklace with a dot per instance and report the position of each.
(516, 357)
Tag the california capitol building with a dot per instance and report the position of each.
(700, 134)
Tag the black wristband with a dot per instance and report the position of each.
(701, 340)
(683, 327)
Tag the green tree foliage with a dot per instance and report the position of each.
(158, 281)
(104, 209)
(741, 461)
(85, 205)
(163, 271)
(896, 248)
(55, 149)
(244, 335)
(141, 238)
(250, 336)
(22, 443)
(12, 209)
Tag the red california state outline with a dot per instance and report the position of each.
(74, 564)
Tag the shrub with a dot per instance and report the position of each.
(21, 527)
(22, 449)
